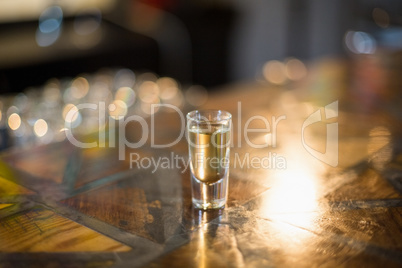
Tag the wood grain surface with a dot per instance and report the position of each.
(63, 205)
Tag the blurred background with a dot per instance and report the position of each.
(194, 41)
(130, 54)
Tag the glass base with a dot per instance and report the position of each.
(209, 196)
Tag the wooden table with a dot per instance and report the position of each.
(63, 206)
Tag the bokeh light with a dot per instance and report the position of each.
(51, 92)
(150, 108)
(40, 128)
(79, 88)
(50, 22)
(360, 42)
(87, 31)
(125, 94)
(166, 82)
(21, 102)
(149, 92)
(117, 108)
(88, 21)
(43, 114)
(14, 121)
(147, 77)
(295, 69)
(70, 113)
(50, 19)
(169, 93)
(275, 72)
(124, 78)
(45, 40)
(11, 110)
(99, 92)
(196, 95)
(381, 17)
(168, 88)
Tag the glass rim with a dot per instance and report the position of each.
(190, 115)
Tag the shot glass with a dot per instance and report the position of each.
(208, 137)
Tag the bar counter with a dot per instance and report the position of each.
(315, 181)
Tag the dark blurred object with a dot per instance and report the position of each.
(4, 138)
(382, 20)
(170, 34)
(193, 36)
(383, 13)
(200, 41)
(69, 56)
(210, 27)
